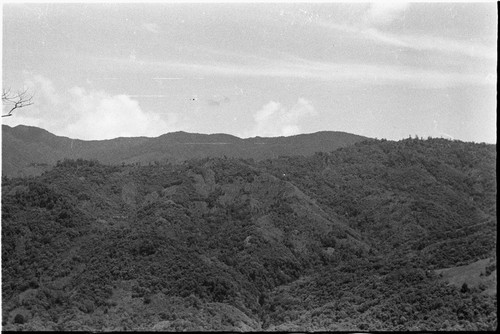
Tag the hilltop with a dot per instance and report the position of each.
(30, 150)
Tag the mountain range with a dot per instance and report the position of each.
(28, 150)
(373, 236)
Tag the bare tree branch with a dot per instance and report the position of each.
(15, 101)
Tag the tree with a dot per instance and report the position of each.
(19, 319)
(15, 101)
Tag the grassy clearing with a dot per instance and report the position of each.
(474, 275)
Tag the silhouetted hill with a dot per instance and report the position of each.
(26, 149)
(379, 235)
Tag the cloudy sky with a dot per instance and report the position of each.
(381, 70)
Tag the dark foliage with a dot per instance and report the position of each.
(19, 319)
(346, 240)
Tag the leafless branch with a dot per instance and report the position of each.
(17, 100)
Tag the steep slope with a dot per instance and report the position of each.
(219, 230)
(28, 150)
(420, 205)
(431, 197)
(350, 240)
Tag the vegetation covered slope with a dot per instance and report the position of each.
(29, 150)
(355, 239)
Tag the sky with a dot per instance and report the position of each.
(381, 70)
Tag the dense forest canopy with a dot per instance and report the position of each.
(379, 235)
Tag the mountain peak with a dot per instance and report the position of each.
(24, 146)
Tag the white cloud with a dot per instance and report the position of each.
(385, 38)
(422, 42)
(151, 27)
(383, 13)
(43, 88)
(362, 73)
(276, 120)
(102, 116)
(432, 43)
(46, 103)
(90, 115)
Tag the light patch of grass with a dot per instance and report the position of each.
(473, 275)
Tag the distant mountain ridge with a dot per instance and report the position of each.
(28, 150)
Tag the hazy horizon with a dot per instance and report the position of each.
(196, 133)
(279, 136)
(380, 70)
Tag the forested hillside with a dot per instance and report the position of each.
(380, 235)
(28, 150)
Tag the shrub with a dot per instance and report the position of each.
(490, 268)
(86, 306)
(19, 319)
